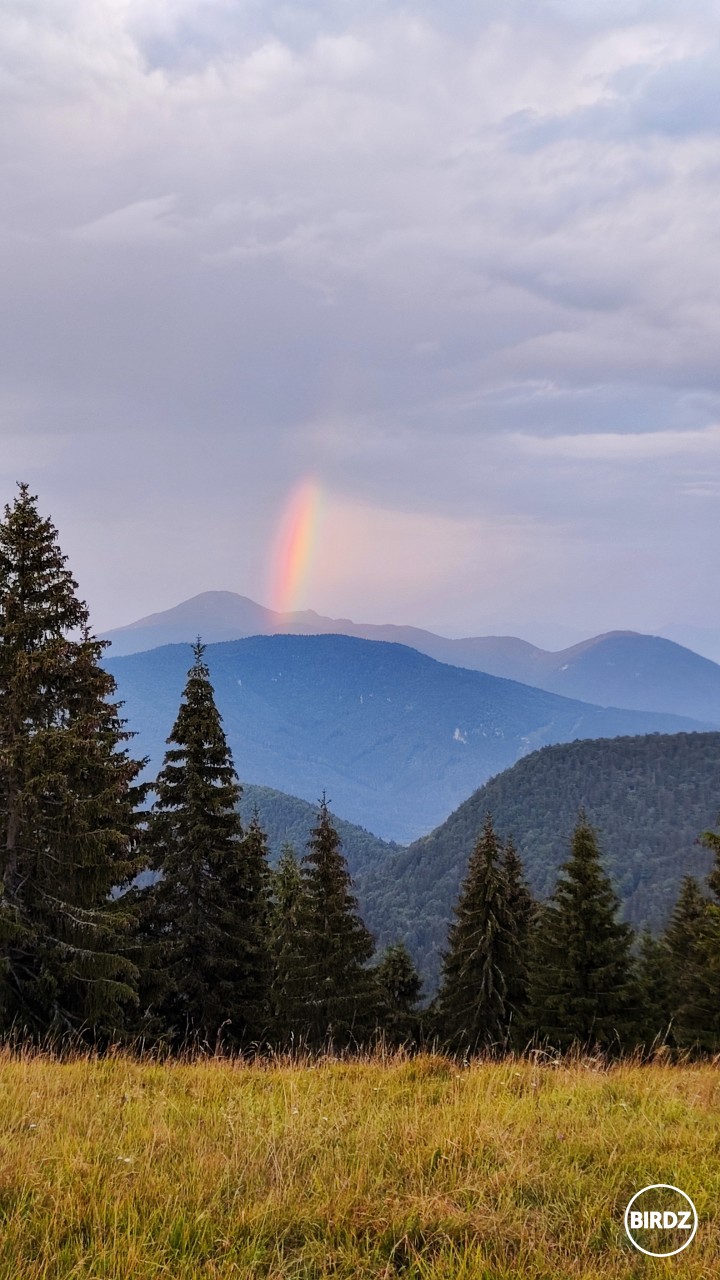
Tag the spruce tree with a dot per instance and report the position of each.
(473, 1007)
(204, 922)
(521, 910)
(249, 889)
(583, 990)
(711, 945)
(711, 840)
(400, 988)
(692, 972)
(339, 986)
(655, 989)
(67, 798)
(288, 922)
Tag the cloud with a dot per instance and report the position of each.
(628, 446)
(672, 96)
(441, 256)
(144, 221)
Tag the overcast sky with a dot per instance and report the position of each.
(460, 263)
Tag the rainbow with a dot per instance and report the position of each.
(294, 545)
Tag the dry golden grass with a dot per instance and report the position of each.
(418, 1169)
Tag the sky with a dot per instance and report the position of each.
(455, 267)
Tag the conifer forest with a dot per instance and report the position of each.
(216, 948)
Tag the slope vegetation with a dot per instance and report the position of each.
(649, 797)
(287, 819)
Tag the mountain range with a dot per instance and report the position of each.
(618, 669)
(404, 727)
(396, 738)
(649, 798)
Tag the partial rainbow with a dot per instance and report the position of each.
(294, 546)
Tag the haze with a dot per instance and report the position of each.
(461, 269)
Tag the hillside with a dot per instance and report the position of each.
(287, 818)
(620, 669)
(649, 797)
(396, 739)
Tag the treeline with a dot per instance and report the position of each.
(648, 797)
(567, 972)
(214, 950)
(217, 949)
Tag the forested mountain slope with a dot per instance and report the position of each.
(649, 798)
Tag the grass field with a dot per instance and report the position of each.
(419, 1168)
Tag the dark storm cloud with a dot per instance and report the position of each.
(446, 259)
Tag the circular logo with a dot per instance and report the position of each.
(661, 1220)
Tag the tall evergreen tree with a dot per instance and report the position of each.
(711, 944)
(288, 922)
(250, 892)
(400, 988)
(654, 1026)
(340, 988)
(521, 910)
(473, 1007)
(711, 840)
(583, 990)
(683, 941)
(693, 968)
(67, 797)
(204, 921)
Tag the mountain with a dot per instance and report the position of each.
(397, 739)
(649, 797)
(622, 669)
(215, 615)
(705, 640)
(619, 669)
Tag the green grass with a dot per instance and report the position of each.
(419, 1168)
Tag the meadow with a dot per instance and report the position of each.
(418, 1168)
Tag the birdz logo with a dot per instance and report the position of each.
(661, 1220)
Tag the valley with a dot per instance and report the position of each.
(396, 739)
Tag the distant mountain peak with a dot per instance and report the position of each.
(617, 668)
